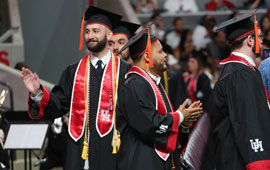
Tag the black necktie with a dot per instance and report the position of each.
(99, 68)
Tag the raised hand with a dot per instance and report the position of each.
(31, 81)
(192, 113)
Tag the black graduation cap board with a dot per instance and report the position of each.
(98, 15)
(126, 28)
(138, 43)
(237, 26)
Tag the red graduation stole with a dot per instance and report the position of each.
(161, 109)
(238, 59)
(104, 118)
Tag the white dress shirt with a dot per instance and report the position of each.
(250, 60)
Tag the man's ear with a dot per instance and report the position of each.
(109, 34)
(250, 41)
(146, 57)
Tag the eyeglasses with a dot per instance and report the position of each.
(261, 36)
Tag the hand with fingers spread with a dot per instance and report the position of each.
(192, 113)
(31, 81)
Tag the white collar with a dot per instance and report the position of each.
(155, 78)
(245, 57)
(105, 59)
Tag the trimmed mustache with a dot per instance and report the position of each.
(91, 40)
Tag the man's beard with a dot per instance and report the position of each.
(160, 67)
(124, 55)
(259, 54)
(99, 46)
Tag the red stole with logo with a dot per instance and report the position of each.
(104, 118)
(161, 109)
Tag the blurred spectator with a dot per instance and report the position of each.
(210, 67)
(198, 84)
(203, 32)
(145, 6)
(255, 4)
(235, 13)
(55, 152)
(174, 6)
(174, 83)
(218, 47)
(157, 28)
(173, 37)
(265, 45)
(20, 65)
(185, 48)
(266, 40)
(265, 72)
(216, 5)
(264, 23)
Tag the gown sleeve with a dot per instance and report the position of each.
(55, 103)
(249, 117)
(139, 111)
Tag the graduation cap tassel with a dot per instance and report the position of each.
(118, 141)
(149, 49)
(166, 82)
(81, 37)
(114, 145)
(84, 152)
(257, 45)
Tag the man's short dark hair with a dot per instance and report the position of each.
(155, 14)
(239, 42)
(176, 19)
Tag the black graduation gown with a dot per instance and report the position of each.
(239, 118)
(100, 149)
(138, 121)
(177, 88)
(203, 90)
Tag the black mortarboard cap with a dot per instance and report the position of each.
(237, 26)
(101, 16)
(126, 28)
(138, 43)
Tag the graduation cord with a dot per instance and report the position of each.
(113, 93)
(171, 153)
(87, 101)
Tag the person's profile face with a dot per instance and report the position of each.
(159, 57)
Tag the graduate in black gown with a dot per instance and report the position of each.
(147, 122)
(239, 111)
(88, 91)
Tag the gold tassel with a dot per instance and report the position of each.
(166, 82)
(84, 152)
(114, 145)
(119, 141)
